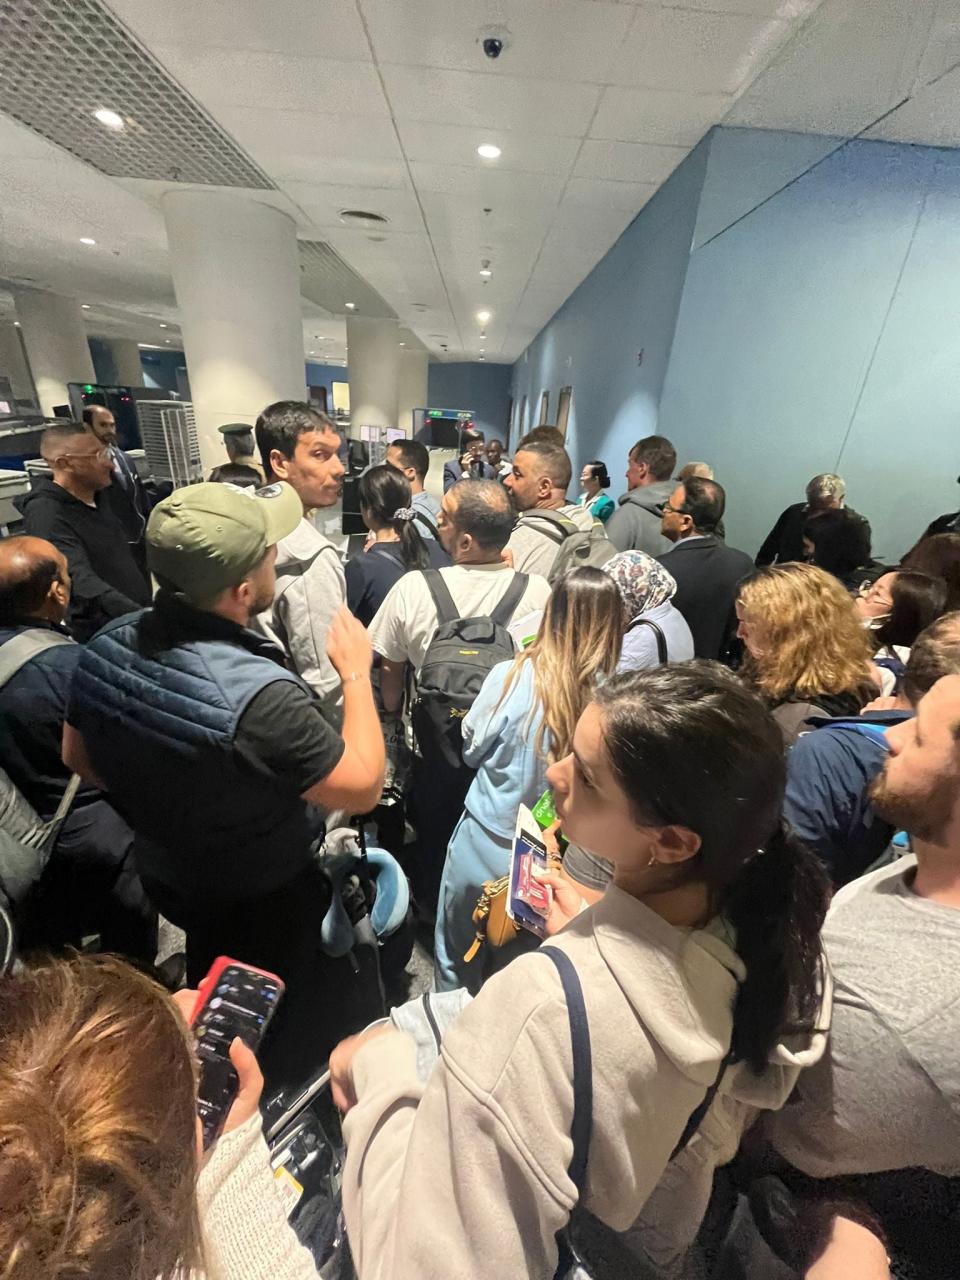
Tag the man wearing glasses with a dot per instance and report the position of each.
(69, 510)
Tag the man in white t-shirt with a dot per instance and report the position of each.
(538, 481)
(474, 524)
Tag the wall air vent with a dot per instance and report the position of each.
(61, 61)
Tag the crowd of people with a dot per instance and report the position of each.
(739, 1060)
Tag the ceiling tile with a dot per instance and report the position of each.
(469, 99)
(653, 115)
(273, 81)
(325, 28)
(449, 144)
(785, 9)
(597, 223)
(627, 161)
(932, 116)
(309, 147)
(695, 52)
(543, 39)
(486, 184)
(629, 197)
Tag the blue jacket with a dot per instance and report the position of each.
(829, 772)
(158, 696)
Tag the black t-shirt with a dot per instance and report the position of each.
(283, 734)
(371, 574)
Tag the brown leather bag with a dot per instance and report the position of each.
(490, 917)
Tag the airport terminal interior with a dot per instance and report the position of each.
(480, 639)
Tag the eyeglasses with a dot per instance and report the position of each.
(666, 508)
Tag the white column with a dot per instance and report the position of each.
(412, 393)
(237, 277)
(373, 366)
(125, 354)
(56, 343)
(13, 362)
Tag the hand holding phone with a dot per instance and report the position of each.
(235, 1001)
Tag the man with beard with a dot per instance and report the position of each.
(218, 756)
(881, 1109)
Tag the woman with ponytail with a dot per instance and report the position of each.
(395, 545)
(700, 973)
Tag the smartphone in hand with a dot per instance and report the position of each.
(235, 999)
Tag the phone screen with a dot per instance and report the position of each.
(240, 1003)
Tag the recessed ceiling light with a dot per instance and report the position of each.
(84, 306)
(164, 326)
(351, 306)
(486, 273)
(168, 341)
(16, 324)
(488, 151)
(403, 344)
(109, 118)
(87, 240)
(483, 316)
(311, 353)
(482, 335)
(481, 358)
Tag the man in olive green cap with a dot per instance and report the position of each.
(219, 758)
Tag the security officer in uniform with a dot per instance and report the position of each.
(239, 444)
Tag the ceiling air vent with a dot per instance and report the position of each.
(362, 218)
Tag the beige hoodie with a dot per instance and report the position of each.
(467, 1175)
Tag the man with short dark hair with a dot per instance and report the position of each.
(220, 758)
(300, 445)
(500, 464)
(413, 459)
(831, 766)
(635, 525)
(784, 542)
(70, 510)
(538, 482)
(125, 496)
(471, 465)
(881, 1109)
(707, 572)
(89, 885)
(475, 523)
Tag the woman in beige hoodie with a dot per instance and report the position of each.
(706, 944)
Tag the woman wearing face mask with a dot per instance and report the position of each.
(706, 944)
(651, 625)
(896, 608)
(594, 478)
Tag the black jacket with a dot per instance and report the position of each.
(707, 573)
(127, 499)
(107, 582)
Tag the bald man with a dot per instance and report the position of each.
(71, 512)
(125, 496)
(89, 886)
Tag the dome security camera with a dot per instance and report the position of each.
(492, 46)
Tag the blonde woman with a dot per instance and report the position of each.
(523, 718)
(807, 651)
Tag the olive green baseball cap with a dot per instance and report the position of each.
(207, 537)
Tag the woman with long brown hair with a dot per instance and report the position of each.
(807, 652)
(522, 719)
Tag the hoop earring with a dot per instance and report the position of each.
(653, 860)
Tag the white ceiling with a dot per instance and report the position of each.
(381, 104)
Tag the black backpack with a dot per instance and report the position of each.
(458, 659)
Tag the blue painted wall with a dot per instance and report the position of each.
(627, 304)
(822, 333)
(484, 388)
(160, 370)
(325, 375)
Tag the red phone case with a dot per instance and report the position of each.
(209, 983)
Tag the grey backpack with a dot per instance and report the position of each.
(576, 547)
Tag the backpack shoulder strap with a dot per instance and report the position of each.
(582, 1125)
(428, 523)
(16, 653)
(447, 611)
(661, 638)
(504, 611)
(697, 1115)
(556, 527)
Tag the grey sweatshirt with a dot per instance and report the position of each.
(635, 525)
(466, 1174)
